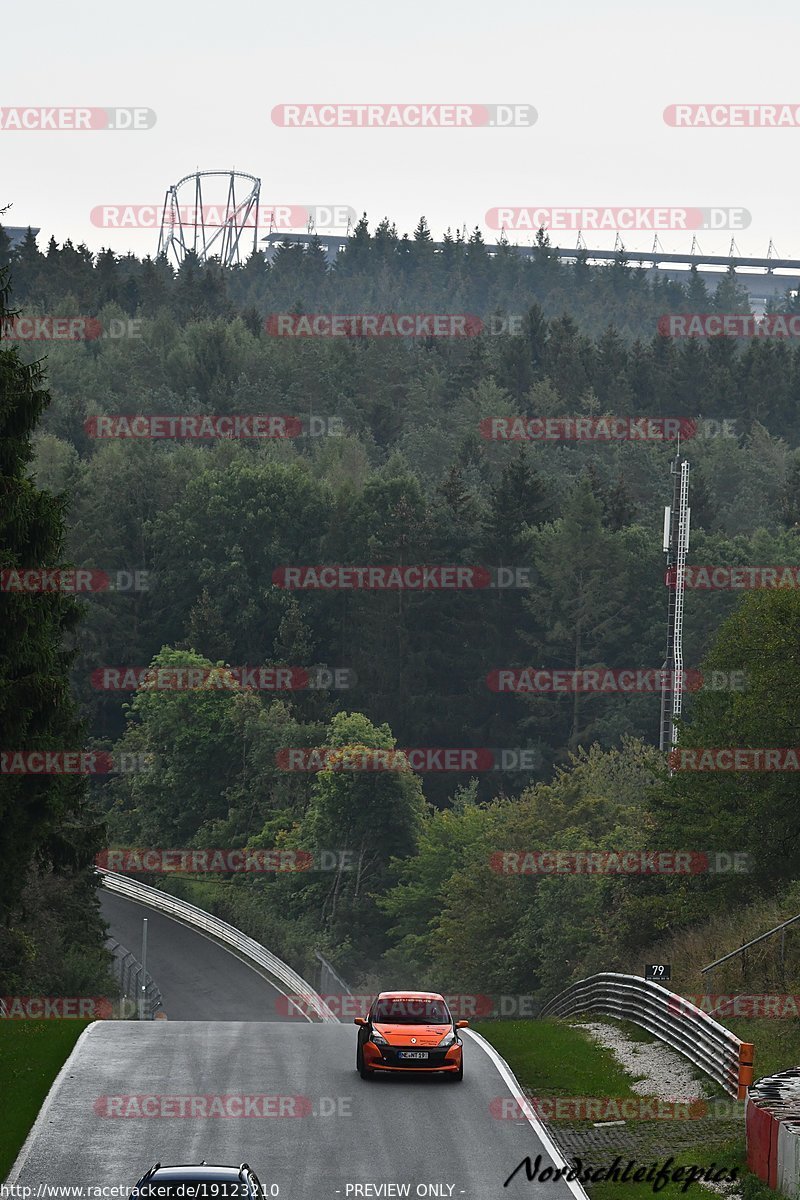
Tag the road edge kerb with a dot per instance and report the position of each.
(538, 1127)
(20, 1160)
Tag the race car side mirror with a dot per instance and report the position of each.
(462, 1024)
(359, 1021)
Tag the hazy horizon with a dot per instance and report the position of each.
(599, 81)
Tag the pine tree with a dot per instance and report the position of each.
(28, 263)
(44, 819)
(423, 250)
(356, 257)
(385, 240)
(730, 296)
(157, 278)
(698, 300)
(105, 276)
(518, 499)
(5, 250)
(422, 233)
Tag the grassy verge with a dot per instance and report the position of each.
(727, 1154)
(31, 1055)
(552, 1058)
(776, 1041)
(557, 1058)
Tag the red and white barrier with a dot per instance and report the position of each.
(772, 1122)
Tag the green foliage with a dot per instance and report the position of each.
(411, 481)
(31, 1055)
(757, 811)
(47, 824)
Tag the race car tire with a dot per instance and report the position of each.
(363, 1071)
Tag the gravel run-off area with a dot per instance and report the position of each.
(659, 1071)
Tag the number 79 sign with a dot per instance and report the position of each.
(658, 971)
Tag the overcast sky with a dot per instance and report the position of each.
(599, 76)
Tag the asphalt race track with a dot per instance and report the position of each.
(281, 1095)
(336, 1129)
(199, 980)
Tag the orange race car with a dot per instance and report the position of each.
(409, 1031)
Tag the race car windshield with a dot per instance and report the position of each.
(412, 1012)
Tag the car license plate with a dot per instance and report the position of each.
(413, 1054)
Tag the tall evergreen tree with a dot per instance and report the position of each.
(5, 249)
(45, 820)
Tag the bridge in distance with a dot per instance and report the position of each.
(763, 278)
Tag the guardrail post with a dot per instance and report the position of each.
(745, 1069)
(138, 976)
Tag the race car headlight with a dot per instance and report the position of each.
(377, 1039)
(448, 1038)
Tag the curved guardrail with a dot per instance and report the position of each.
(230, 937)
(671, 1018)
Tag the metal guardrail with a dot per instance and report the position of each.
(329, 978)
(128, 971)
(230, 937)
(671, 1018)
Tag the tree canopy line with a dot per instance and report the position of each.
(409, 480)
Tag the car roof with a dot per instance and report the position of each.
(410, 996)
(197, 1171)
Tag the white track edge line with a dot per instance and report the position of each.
(539, 1129)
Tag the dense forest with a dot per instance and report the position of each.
(392, 467)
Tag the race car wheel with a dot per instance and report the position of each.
(363, 1071)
